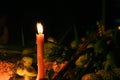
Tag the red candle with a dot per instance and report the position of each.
(40, 51)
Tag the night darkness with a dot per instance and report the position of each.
(95, 51)
(57, 17)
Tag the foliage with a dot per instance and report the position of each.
(91, 57)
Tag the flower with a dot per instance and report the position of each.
(6, 70)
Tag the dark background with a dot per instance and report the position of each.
(57, 17)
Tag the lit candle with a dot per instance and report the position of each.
(40, 51)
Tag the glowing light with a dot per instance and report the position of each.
(118, 27)
(39, 28)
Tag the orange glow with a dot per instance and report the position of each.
(39, 28)
(118, 27)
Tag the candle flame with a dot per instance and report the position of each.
(39, 28)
